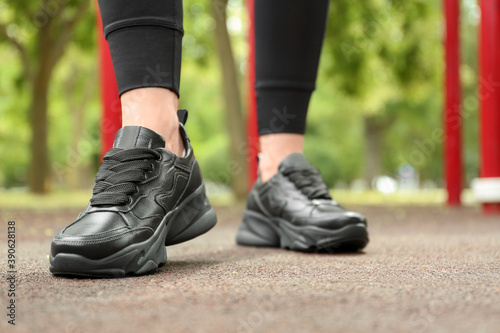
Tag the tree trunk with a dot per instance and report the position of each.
(39, 180)
(373, 131)
(234, 117)
(78, 176)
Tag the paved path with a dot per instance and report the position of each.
(425, 270)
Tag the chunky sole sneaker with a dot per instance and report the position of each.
(145, 198)
(191, 219)
(294, 211)
(260, 230)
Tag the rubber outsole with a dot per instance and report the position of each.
(192, 218)
(262, 231)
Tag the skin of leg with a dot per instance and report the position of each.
(156, 109)
(274, 148)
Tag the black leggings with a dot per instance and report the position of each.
(145, 40)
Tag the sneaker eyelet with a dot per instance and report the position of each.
(152, 168)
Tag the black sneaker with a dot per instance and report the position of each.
(145, 197)
(295, 211)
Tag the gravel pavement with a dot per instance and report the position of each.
(426, 269)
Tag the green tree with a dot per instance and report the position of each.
(40, 32)
(235, 122)
(385, 58)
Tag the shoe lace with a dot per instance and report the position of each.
(119, 173)
(309, 182)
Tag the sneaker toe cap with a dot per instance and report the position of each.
(96, 237)
(337, 220)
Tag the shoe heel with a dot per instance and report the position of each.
(192, 219)
(257, 230)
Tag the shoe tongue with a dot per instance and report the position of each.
(294, 160)
(138, 137)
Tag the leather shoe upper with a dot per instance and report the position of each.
(138, 183)
(298, 195)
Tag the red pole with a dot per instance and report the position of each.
(452, 112)
(252, 132)
(489, 94)
(111, 119)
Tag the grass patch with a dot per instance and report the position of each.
(370, 197)
(80, 199)
(54, 200)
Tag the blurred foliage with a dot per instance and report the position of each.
(381, 58)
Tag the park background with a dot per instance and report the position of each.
(377, 107)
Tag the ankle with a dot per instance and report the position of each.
(155, 109)
(267, 168)
(274, 148)
(176, 146)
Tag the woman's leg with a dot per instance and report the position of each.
(145, 40)
(291, 207)
(145, 197)
(288, 39)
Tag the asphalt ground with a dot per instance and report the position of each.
(426, 269)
